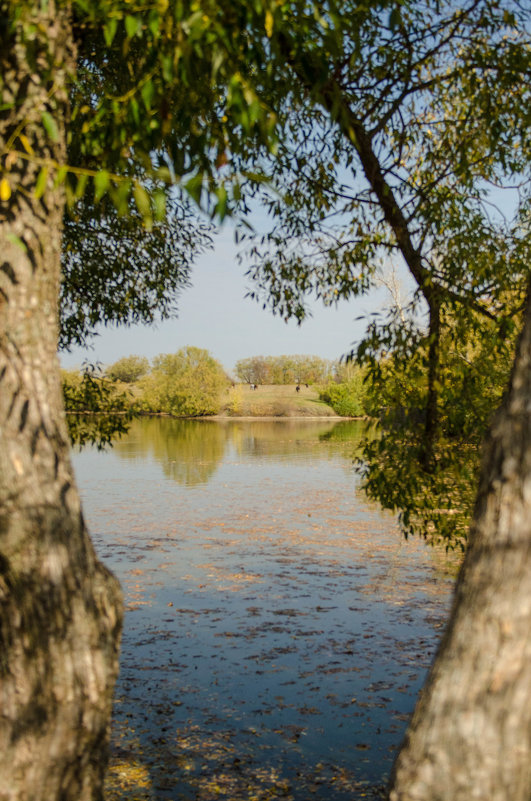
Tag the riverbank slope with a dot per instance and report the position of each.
(274, 400)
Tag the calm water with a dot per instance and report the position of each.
(277, 626)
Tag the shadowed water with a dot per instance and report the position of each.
(278, 628)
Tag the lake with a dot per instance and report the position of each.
(278, 627)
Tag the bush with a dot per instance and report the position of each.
(188, 383)
(348, 398)
(235, 402)
(129, 369)
(97, 412)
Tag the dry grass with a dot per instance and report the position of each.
(273, 400)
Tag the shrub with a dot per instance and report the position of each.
(348, 398)
(129, 369)
(188, 383)
(235, 401)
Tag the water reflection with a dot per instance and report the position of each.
(190, 451)
(277, 627)
(292, 440)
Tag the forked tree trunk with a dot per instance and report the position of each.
(60, 610)
(470, 736)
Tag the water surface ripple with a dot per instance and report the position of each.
(277, 629)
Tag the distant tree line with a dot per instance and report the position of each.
(296, 369)
(188, 383)
(191, 383)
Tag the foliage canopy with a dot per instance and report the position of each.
(397, 130)
(128, 369)
(370, 132)
(115, 271)
(187, 383)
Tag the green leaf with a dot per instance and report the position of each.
(221, 205)
(69, 194)
(60, 175)
(194, 187)
(167, 68)
(120, 197)
(50, 126)
(16, 240)
(132, 25)
(83, 5)
(159, 204)
(40, 185)
(135, 111)
(395, 19)
(101, 184)
(164, 174)
(142, 201)
(154, 24)
(147, 93)
(81, 186)
(109, 31)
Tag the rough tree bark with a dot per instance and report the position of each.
(60, 610)
(470, 736)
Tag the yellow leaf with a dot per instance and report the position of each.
(5, 189)
(269, 23)
(26, 144)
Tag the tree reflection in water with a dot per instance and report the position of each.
(277, 627)
(190, 451)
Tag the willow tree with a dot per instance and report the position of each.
(398, 123)
(183, 92)
(147, 71)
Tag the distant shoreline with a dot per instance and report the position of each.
(278, 417)
(267, 402)
(223, 417)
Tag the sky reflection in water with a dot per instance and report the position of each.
(277, 627)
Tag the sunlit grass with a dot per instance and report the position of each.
(274, 400)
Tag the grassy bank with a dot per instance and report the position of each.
(274, 400)
(97, 403)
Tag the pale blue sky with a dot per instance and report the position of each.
(214, 314)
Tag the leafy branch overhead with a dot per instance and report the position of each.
(370, 134)
(114, 271)
(133, 131)
(401, 131)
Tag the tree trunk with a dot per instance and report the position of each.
(470, 736)
(60, 610)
